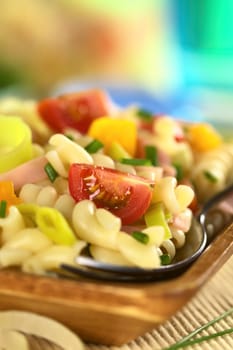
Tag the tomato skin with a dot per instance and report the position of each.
(75, 110)
(127, 196)
(52, 112)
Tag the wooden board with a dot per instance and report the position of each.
(111, 313)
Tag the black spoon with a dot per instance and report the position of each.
(215, 215)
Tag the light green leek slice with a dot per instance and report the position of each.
(53, 224)
(15, 142)
(156, 216)
(117, 152)
(28, 210)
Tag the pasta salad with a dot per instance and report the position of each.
(78, 172)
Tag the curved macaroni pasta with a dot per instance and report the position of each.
(22, 245)
(48, 196)
(96, 226)
(12, 224)
(213, 171)
(175, 198)
(49, 259)
(64, 152)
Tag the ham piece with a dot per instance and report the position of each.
(183, 220)
(29, 172)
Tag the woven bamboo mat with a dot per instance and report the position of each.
(212, 300)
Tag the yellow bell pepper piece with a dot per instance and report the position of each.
(7, 194)
(120, 130)
(203, 137)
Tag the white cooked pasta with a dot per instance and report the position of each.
(65, 204)
(44, 196)
(109, 256)
(29, 193)
(11, 224)
(49, 197)
(56, 161)
(218, 163)
(125, 168)
(178, 237)
(154, 174)
(139, 254)
(61, 185)
(97, 226)
(22, 245)
(51, 258)
(171, 245)
(168, 247)
(31, 239)
(156, 235)
(65, 152)
(175, 198)
(13, 256)
(103, 160)
(83, 140)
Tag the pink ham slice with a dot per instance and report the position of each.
(182, 221)
(30, 172)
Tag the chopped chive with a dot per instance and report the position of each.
(94, 146)
(188, 339)
(69, 137)
(3, 205)
(210, 176)
(140, 236)
(152, 154)
(201, 339)
(135, 161)
(179, 171)
(165, 259)
(51, 172)
(144, 114)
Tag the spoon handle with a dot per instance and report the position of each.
(217, 213)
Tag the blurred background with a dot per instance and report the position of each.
(172, 56)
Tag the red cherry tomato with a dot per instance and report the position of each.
(126, 196)
(76, 110)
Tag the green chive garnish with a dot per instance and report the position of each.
(152, 154)
(69, 137)
(94, 146)
(140, 236)
(144, 114)
(179, 171)
(3, 205)
(188, 340)
(165, 259)
(135, 161)
(201, 339)
(210, 176)
(51, 172)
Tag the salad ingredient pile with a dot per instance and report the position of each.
(80, 174)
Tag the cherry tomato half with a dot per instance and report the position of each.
(127, 196)
(75, 110)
